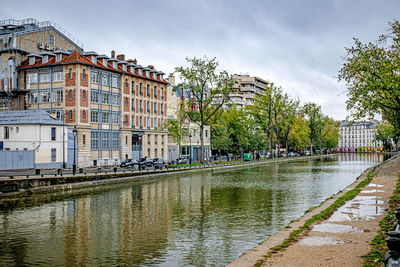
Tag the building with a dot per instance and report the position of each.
(190, 146)
(358, 136)
(33, 130)
(248, 87)
(118, 106)
(18, 38)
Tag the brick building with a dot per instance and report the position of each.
(118, 106)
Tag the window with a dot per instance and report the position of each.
(105, 117)
(94, 77)
(162, 140)
(148, 106)
(206, 133)
(105, 144)
(52, 39)
(83, 114)
(70, 74)
(141, 122)
(126, 140)
(70, 115)
(44, 77)
(58, 57)
(83, 74)
(53, 155)
(155, 139)
(115, 100)
(105, 80)
(94, 116)
(70, 94)
(6, 132)
(94, 140)
(155, 107)
(17, 129)
(141, 105)
(133, 121)
(57, 76)
(155, 91)
(31, 98)
(162, 108)
(148, 90)
(53, 133)
(45, 59)
(31, 78)
(148, 139)
(148, 123)
(105, 98)
(94, 97)
(133, 104)
(44, 96)
(94, 59)
(115, 118)
(31, 60)
(141, 89)
(115, 82)
(84, 94)
(115, 140)
(133, 87)
(155, 152)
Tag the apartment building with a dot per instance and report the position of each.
(358, 136)
(18, 38)
(118, 106)
(248, 87)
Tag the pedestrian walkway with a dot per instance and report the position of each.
(342, 239)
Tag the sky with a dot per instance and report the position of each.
(298, 45)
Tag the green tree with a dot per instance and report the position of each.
(385, 133)
(330, 133)
(290, 107)
(372, 74)
(315, 123)
(209, 88)
(299, 136)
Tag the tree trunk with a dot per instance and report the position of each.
(202, 142)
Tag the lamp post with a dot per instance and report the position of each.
(190, 149)
(74, 131)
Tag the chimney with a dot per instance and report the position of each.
(130, 60)
(135, 61)
(112, 53)
(121, 57)
(171, 79)
(151, 67)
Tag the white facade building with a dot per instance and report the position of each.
(358, 136)
(37, 131)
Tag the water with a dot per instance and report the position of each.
(194, 219)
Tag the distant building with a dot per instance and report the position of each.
(190, 146)
(358, 136)
(33, 130)
(18, 38)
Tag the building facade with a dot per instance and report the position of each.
(118, 106)
(18, 38)
(34, 130)
(247, 88)
(359, 136)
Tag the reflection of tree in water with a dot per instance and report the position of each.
(13, 245)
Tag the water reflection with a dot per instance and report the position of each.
(194, 219)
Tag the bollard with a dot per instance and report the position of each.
(37, 171)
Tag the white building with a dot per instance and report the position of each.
(358, 136)
(34, 130)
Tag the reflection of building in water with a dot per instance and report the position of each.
(355, 157)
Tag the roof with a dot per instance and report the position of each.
(28, 117)
(77, 57)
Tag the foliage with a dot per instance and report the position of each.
(386, 133)
(299, 136)
(209, 90)
(372, 74)
(315, 123)
(330, 133)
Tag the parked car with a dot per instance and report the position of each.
(129, 163)
(146, 163)
(182, 161)
(159, 163)
(306, 153)
(292, 154)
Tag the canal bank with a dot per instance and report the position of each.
(23, 188)
(338, 232)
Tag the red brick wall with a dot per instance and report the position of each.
(85, 101)
(151, 108)
(126, 104)
(152, 123)
(126, 120)
(70, 102)
(68, 81)
(126, 87)
(84, 80)
(86, 118)
(137, 121)
(67, 116)
(137, 90)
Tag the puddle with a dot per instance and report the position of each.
(319, 241)
(375, 185)
(359, 209)
(371, 191)
(335, 228)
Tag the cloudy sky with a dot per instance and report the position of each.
(296, 44)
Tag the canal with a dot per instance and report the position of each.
(198, 219)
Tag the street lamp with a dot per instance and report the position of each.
(190, 149)
(74, 131)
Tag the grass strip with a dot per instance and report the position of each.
(379, 248)
(319, 217)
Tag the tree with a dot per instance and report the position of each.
(330, 133)
(372, 74)
(299, 136)
(290, 107)
(385, 133)
(315, 123)
(209, 89)
(176, 130)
